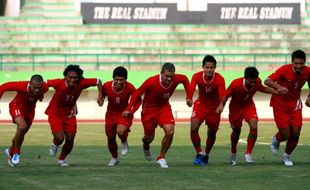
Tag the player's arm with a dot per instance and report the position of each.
(192, 87)
(187, 86)
(100, 96)
(224, 99)
(9, 86)
(308, 98)
(265, 89)
(270, 83)
(135, 97)
(222, 96)
(44, 89)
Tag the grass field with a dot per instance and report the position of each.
(88, 169)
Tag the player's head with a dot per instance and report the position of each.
(209, 65)
(119, 77)
(298, 60)
(250, 76)
(72, 74)
(35, 84)
(167, 73)
(120, 71)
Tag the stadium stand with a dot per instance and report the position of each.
(54, 27)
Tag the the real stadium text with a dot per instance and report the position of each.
(262, 13)
(128, 13)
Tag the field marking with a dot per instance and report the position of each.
(244, 141)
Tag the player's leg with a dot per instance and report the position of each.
(196, 141)
(149, 122)
(282, 121)
(295, 128)
(69, 126)
(235, 119)
(149, 133)
(165, 144)
(58, 134)
(122, 130)
(252, 137)
(21, 129)
(213, 122)
(110, 131)
(66, 149)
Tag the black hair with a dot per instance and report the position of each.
(75, 68)
(120, 71)
(299, 54)
(168, 66)
(208, 58)
(251, 72)
(36, 78)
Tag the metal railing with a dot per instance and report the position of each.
(136, 61)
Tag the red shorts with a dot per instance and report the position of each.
(247, 113)
(15, 111)
(202, 113)
(285, 119)
(65, 124)
(111, 123)
(153, 117)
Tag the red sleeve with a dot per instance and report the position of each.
(261, 87)
(230, 89)
(53, 83)
(184, 80)
(88, 82)
(104, 87)
(277, 74)
(222, 88)
(13, 86)
(136, 106)
(137, 94)
(192, 87)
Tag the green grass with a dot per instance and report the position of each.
(89, 158)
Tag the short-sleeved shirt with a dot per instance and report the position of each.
(241, 96)
(286, 77)
(64, 99)
(155, 94)
(210, 92)
(25, 101)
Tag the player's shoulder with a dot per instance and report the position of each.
(218, 75)
(197, 74)
(108, 83)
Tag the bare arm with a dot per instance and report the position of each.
(221, 106)
(100, 98)
(281, 90)
(308, 98)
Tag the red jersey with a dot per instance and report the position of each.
(155, 94)
(23, 99)
(64, 99)
(240, 95)
(286, 77)
(210, 92)
(118, 101)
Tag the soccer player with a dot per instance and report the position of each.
(287, 109)
(62, 108)
(156, 109)
(241, 107)
(22, 111)
(118, 91)
(212, 89)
